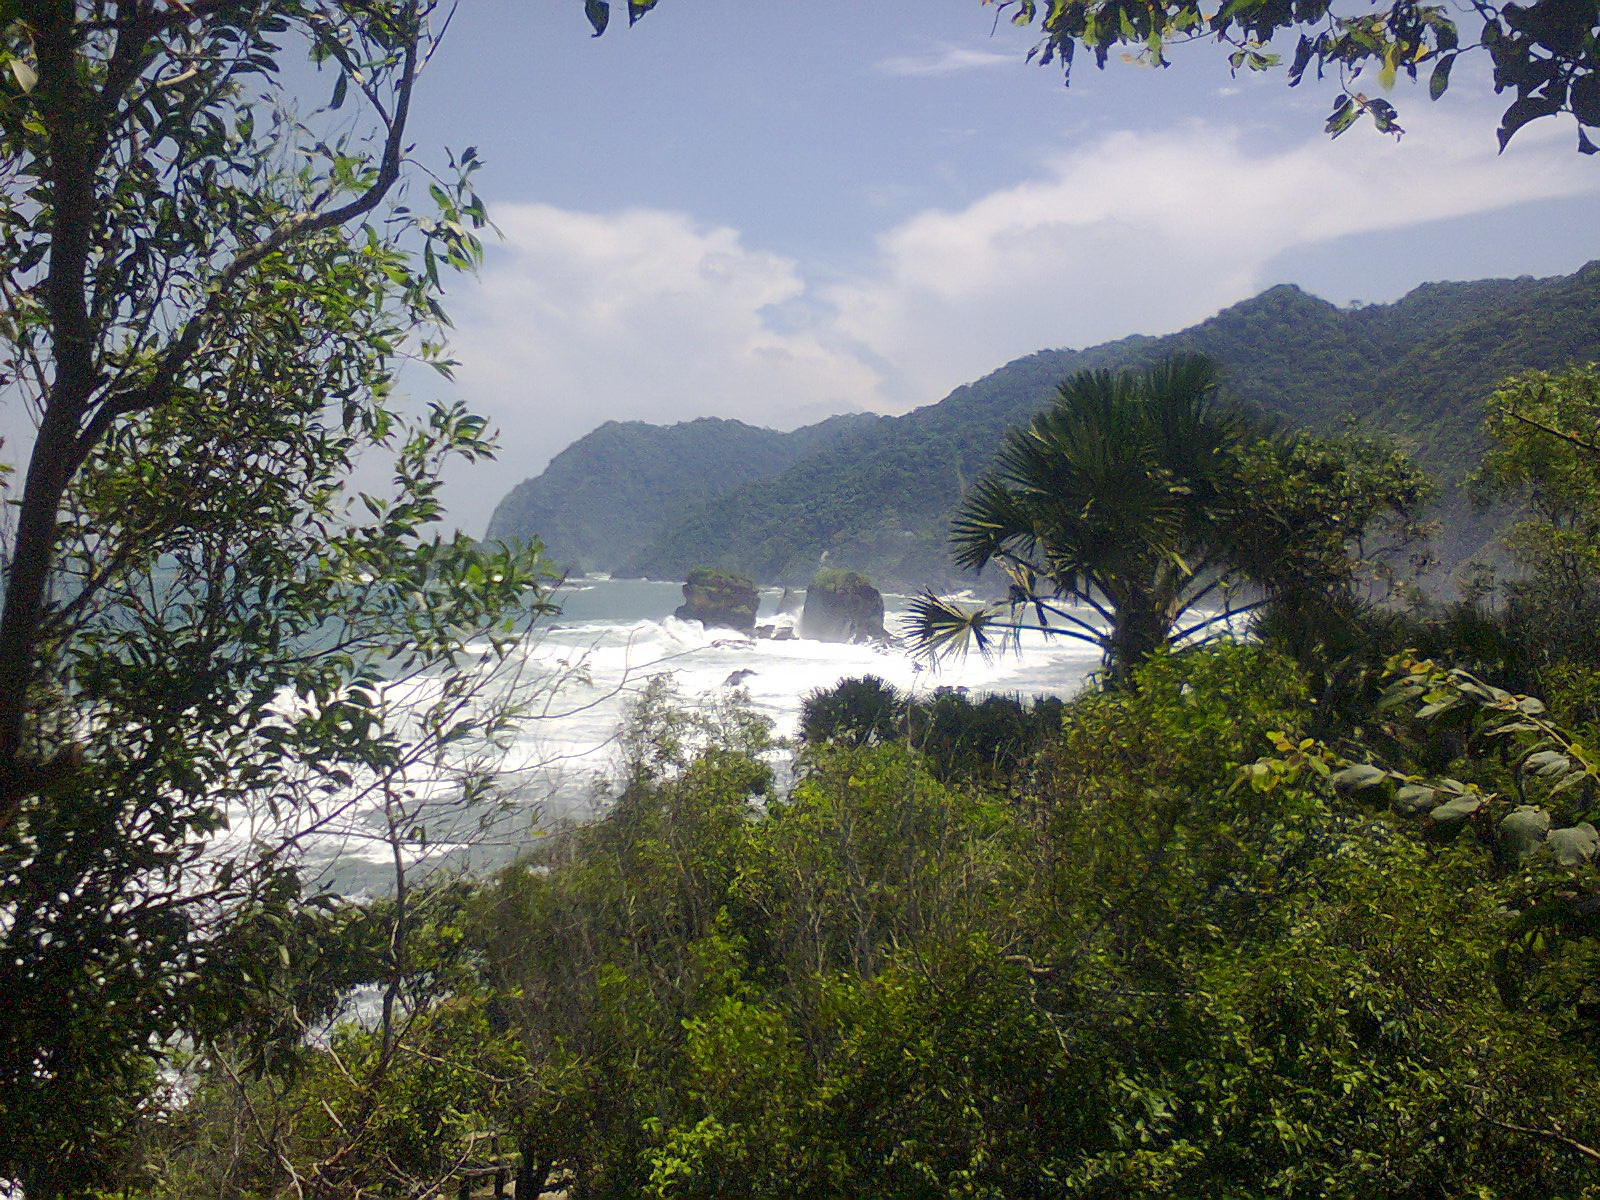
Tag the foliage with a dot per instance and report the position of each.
(1114, 499)
(1448, 719)
(960, 740)
(715, 578)
(663, 736)
(599, 948)
(210, 653)
(1543, 454)
(1529, 632)
(347, 1101)
(1141, 497)
(1344, 509)
(1475, 765)
(1542, 451)
(1268, 1033)
(1543, 52)
(1155, 965)
(1101, 948)
(854, 712)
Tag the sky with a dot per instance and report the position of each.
(780, 211)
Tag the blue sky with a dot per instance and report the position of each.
(776, 211)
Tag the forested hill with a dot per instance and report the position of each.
(603, 498)
(876, 495)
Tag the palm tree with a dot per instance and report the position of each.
(1129, 497)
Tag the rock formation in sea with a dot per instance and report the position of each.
(843, 606)
(719, 599)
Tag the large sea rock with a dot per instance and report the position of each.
(843, 606)
(718, 599)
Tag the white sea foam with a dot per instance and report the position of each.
(608, 658)
(585, 665)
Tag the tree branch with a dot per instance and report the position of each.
(66, 438)
(1579, 442)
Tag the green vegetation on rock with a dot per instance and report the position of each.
(842, 606)
(837, 579)
(719, 598)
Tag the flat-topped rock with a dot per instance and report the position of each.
(843, 606)
(719, 599)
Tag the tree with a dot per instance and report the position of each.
(208, 655)
(854, 712)
(1544, 453)
(1144, 497)
(1545, 52)
(1154, 967)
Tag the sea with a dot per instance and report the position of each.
(580, 670)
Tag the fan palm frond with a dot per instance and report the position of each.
(938, 628)
(992, 521)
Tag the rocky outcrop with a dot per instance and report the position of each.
(719, 600)
(843, 606)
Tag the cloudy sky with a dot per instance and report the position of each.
(778, 211)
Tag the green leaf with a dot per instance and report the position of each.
(1514, 727)
(340, 88)
(27, 78)
(1343, 116)
(1384, 117)
(1547, 763)
(1415, 797)
(1439, 81)
(1523, 830)
(1569, 781)
(1458, 809)
(599, 14)
(1360, 775)
(1584, 99)
(1523, 110)
(1574, 846)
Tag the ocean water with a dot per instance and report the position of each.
(581, 669)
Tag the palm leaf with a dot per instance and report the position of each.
(940, 628)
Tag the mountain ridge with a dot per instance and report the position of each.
(876, 494)
(597, 500)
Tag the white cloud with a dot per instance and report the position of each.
(944, 60)
(1150, 232)
(581, 318)
(644, 314)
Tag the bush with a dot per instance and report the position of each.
(835, 579)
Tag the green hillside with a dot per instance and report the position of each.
(877, 496)
(603, 498)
